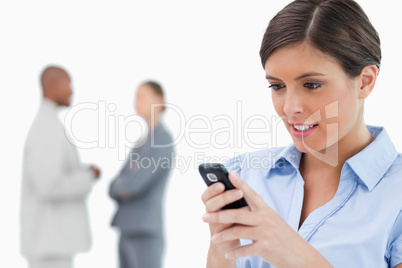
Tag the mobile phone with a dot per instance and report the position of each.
(215, 172)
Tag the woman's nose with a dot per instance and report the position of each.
(293, 102)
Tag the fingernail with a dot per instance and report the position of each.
(235, 176)
(229, 255)
(238, 193)
(218, 186)
(206, 217)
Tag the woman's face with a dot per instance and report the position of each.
(145, 97)
(315, 98)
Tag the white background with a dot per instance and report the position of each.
(205, 54)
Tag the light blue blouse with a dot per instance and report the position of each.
(360, 227)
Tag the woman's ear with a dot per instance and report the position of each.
(368, 77)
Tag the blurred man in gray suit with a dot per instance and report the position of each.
(139, 187)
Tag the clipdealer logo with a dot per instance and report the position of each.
(197, 131)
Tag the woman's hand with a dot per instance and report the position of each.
(214, 198)
(273, 239)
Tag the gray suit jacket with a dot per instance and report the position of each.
(143, 178)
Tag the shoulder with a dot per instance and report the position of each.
(46, 129)
(395, 170)
(162, 136)
(40, 124)
(398, 161)
(257, 160)
(45, 117)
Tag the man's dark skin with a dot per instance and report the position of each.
(56, 87)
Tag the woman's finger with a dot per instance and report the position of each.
(236, 232)
(217, 202)
(252, 198)
(234, 216)
(248, 250)
(212, 191)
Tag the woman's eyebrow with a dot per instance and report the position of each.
(308, 75)
(272, 78)
(297, 78)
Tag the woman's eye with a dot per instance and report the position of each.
(276, 87)
(312, 86)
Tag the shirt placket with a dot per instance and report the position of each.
(318, 217)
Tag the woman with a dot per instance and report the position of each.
(331, 199)
(140, 186)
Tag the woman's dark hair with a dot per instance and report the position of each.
(156, 88)
(338, 28)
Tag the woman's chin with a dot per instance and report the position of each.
(306, 147)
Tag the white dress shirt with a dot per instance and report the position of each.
(54, 218)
